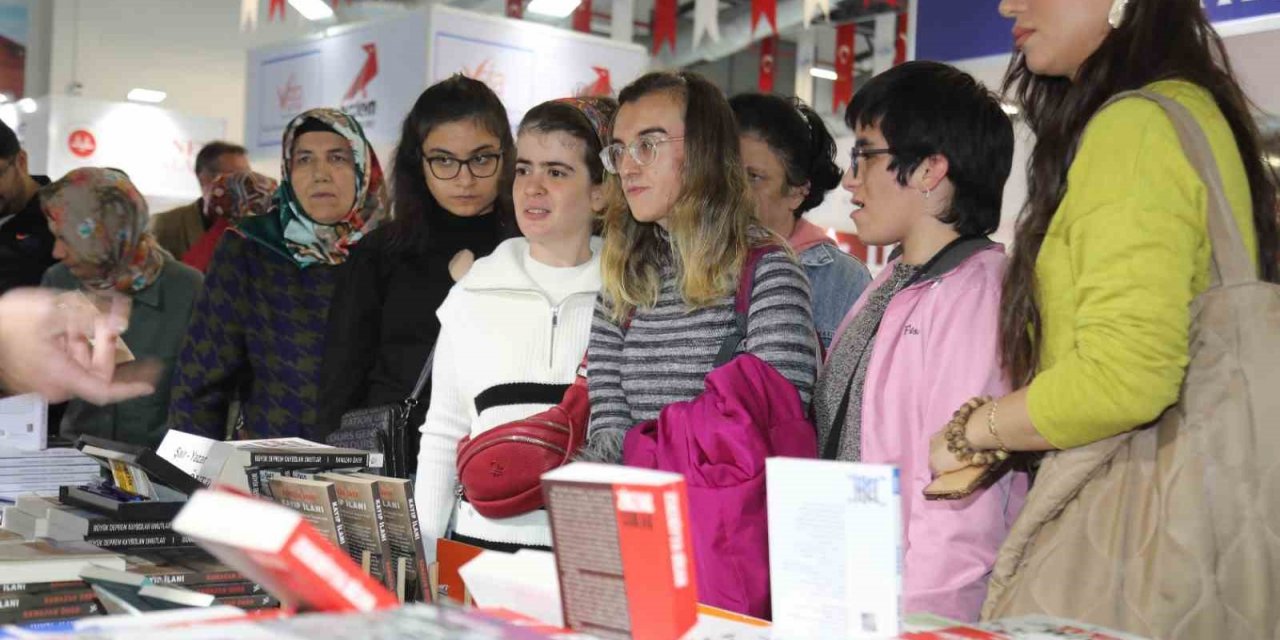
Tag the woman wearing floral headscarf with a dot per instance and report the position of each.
(257, 333)
(230, 198)
(99, 220)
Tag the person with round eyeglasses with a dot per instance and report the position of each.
(677, 231)
(927, 172)
(452, 198)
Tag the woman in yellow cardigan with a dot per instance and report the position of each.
(1113, 243)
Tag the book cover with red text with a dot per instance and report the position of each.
(623, 551)
(277, 548)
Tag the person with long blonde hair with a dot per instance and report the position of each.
(678, 230)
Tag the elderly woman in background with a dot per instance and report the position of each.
(230, 198)
(99, 220)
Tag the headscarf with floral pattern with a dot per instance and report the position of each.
(235, 196)
(288, 229)
(101, 219)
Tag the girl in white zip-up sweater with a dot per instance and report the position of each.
(521, 316)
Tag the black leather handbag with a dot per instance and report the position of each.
(384, 429)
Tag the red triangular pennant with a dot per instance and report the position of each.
(664, 24)
(766, 8)
(276, 6)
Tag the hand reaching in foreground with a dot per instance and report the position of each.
(58, 347)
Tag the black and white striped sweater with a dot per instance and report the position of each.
(665, 354)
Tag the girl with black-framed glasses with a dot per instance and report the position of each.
(452, 200)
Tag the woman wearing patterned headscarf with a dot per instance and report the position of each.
(257, 333)
(229, 199)
(99, 220)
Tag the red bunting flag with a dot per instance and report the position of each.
(768, 51)
(664, 24)
(900, 45)
(766, 8)
(515, 9)
(842, 92)
(582, 17)
(276, 6)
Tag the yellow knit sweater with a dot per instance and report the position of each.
(1127, 251)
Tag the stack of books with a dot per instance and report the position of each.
(34, 602)
(372, 518)
(280, 549)
(198, 571)
(40, 580)
(43, 472)
(35, 517)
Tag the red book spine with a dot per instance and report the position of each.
(657, 562)
(309, 572)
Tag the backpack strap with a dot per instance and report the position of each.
(742, 303)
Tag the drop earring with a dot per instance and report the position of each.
(1116, 17)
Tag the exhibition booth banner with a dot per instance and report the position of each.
(376, 70)
(156, 147)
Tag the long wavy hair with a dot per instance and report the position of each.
(710, 228)
(417, 212)
(1158, 40)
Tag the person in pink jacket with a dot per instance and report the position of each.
(927, 173)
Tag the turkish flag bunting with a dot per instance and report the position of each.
(766, 8)
(582, 17)
(664, 24)
(276, 6)
(515, 9)
(842, 92)
(900, 45)
(768, 51)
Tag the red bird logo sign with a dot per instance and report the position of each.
(603, 86)
(360, 85)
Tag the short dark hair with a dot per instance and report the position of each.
(557, 115)
(210, 153)
(929, 108)
(796, 133)
(456, 98)
(9, 146)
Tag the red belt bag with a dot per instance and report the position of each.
(501, 469)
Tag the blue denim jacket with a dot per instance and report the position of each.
(837, 279)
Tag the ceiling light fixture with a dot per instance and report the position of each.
(554, 8)
(150, 96)
(822, 72)
(312, 10)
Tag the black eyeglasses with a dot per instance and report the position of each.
(484, 165)
(856, 153)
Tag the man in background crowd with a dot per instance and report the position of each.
(26, 245)
(177, 229)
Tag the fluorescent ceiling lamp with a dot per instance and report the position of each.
(27, 105)
(1010, 109)
(312, 10)
(147, 95)
(1274, 161)
(820, 72)
(554, 8)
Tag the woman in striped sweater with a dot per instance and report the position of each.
(677, 233)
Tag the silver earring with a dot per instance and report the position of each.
(928, 193)
(1116, 17)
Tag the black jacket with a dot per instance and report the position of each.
(26, 246)
(382, 322)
